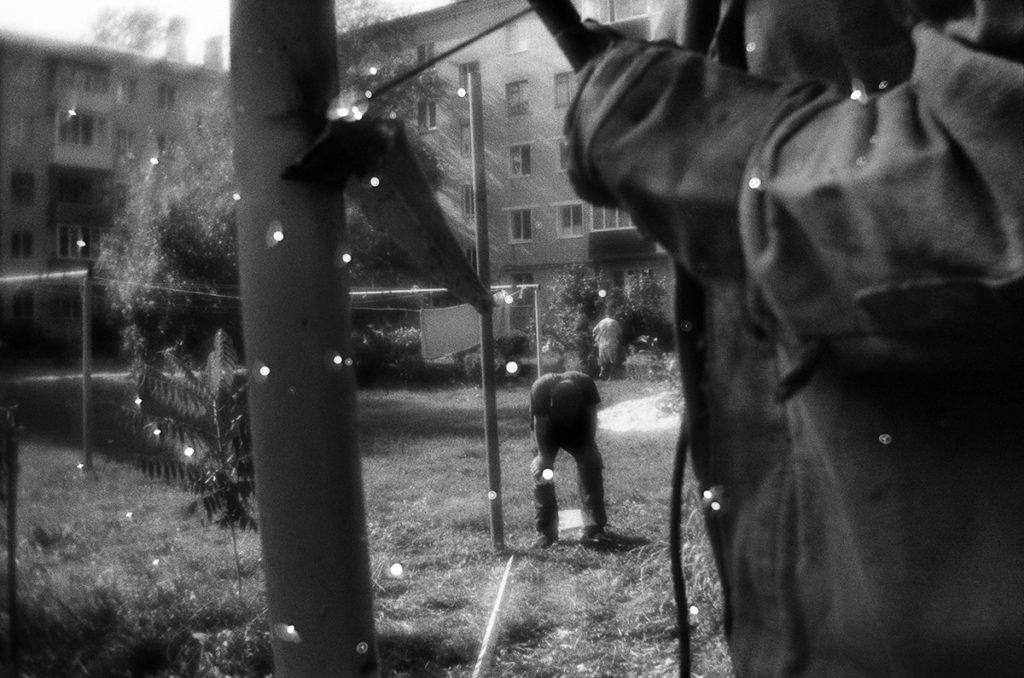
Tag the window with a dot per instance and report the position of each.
(519, 160)
(126, 90)
(125, 143)
(515, 38)
(23, 305)
(82, 129)
(77, 242)
(609, 219)
(468, 201)
(620, 10)
(166, 97)
(570, 220)
(426, 115)
(565, 88)
(69, 305)
(21, 244)
(515, 96)
(521, 225)
(563, 154)
(23, 188)
(465, 140)
(424, 52)
(90, 80)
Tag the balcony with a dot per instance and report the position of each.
(618, 243)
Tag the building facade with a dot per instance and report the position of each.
(536, 223)
(74, 118)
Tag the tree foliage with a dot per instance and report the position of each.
(578, 299)
(171, 257)
(195, 425)
(138, 30)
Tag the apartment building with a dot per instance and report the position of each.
(73, 120)
(537, 225)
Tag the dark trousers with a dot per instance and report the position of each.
(590, 480)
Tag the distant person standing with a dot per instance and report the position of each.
(608, 336)
(563, 408)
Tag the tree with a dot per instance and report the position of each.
(197, 421)
(573, 307)
(138, 30)
(171, 256)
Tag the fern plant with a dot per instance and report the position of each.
(195, 424)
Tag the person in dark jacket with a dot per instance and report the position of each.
(840, 187)
(563, 411)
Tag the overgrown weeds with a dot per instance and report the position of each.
(117, 582)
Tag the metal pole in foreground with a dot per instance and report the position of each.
(483, 258)
(295, 314)
(86, 367)
(536, 328)
(9, 432)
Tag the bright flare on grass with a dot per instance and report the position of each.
(397, 570)
(547, 474)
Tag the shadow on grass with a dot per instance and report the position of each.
(424, 654)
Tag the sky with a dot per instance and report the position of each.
(72, 19)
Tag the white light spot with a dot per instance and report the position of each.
(492, 495)
(346, 258)
(264, 371)
(138, 401)
(80, 243)
(154, 160)
(275, 233)
(373, 70)
(885, 439)
(81, 466)
(129, 515)
(368, 94)
(189, 451)
(547, 474)
(72, 112)
(236, 196)
(396, 570)
(708, 494)
(509, 299)
(461, 92)
(602, 293)
(362, 648)
(287, 633)
(156, 561)
(694, 611)
(883, 84)
(716, 506)
(337, 359)
(392, 115)
(512, 367)
(349, 362)
(375, 181)
(751, 46)
(157, 431)
(754, 183)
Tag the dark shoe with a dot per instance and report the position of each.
(543, 541)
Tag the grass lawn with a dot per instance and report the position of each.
(115, 581)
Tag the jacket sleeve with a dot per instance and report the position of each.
(870, 221)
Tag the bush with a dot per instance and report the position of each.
(388, 353)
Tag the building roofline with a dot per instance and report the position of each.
(442, 13)
(99, 53)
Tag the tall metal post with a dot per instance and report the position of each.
(536, 328)
(86, 367)
(295, 315)
(483, 260)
